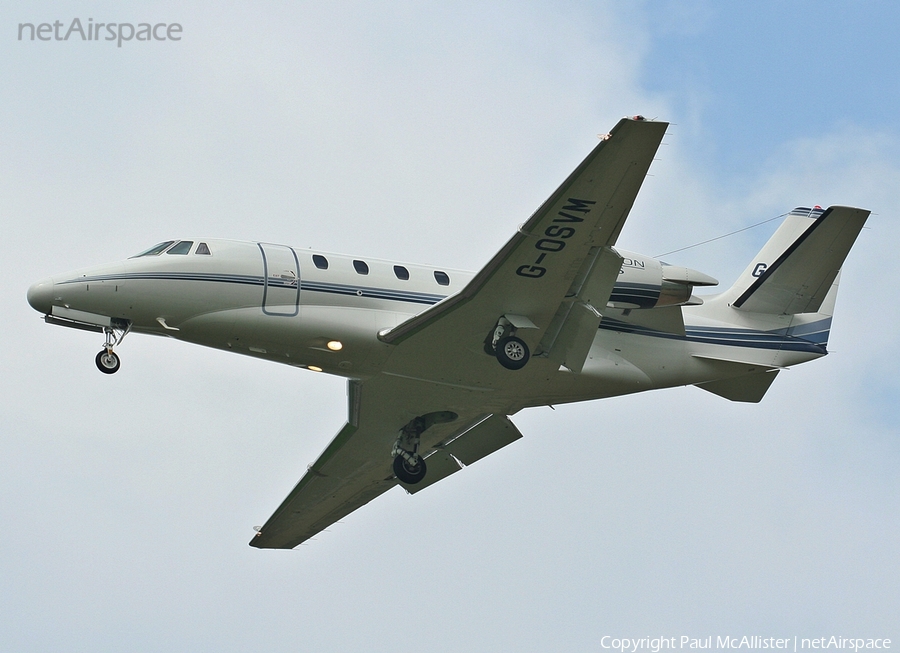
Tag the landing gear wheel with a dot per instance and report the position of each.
(107, 362)
(407, 473)
(512, 353)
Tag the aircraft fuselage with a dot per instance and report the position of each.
(323, 312)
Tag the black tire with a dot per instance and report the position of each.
(512, 353)
(409, 474)
(107, 362)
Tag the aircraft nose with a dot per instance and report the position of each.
(40, 296)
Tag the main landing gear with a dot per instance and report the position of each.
(510, 350)
(409, 466)
(107, 361)
(512, 353)
(407, 471)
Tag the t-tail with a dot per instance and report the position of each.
(783, 302)
(797, 271)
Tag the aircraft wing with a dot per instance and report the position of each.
(356, 466)
(548, 280)
(557, 271)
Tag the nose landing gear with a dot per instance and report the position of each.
(107, 361)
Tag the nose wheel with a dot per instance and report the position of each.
(107, 362)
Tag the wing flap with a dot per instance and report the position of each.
(485, 438)
(569, 338)
(574, 342)
(440, 465)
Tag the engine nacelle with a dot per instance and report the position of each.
(645, 282)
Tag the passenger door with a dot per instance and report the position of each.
(281, 273)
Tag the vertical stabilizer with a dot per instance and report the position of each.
(797, 270)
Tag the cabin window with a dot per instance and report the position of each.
(155, 250)
(401, 272)
(203, 248)
(441, 278)
(181, 248)
(361, 267)
(320, 261)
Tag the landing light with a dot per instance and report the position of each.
(335, 345)
(314, 368)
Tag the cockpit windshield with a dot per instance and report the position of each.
(183, 247)
(155, 250)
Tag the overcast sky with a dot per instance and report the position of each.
(427, 134)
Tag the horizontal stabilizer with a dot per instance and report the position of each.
(738, 380)
(749, 388)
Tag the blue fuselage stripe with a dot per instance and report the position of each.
(811, 338)
(309, 286)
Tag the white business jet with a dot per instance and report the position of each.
(437, 359)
